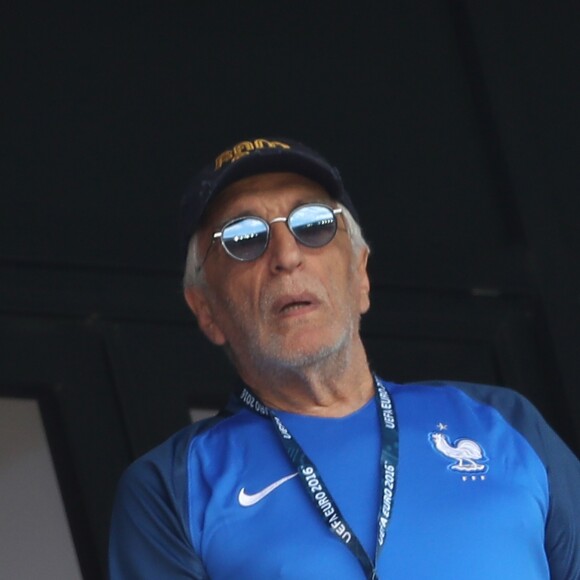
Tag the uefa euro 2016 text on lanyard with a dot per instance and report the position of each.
(316, 488)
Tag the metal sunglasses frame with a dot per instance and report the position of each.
(218, 235)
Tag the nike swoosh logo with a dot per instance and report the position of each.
(249, 499)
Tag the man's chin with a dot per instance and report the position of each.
(303, 355)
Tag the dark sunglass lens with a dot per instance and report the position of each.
(245, 239)
(313, 225)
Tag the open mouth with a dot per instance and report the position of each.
(295, 303)
(295, 306)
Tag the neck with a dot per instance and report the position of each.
(334, 387)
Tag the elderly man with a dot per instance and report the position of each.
(318, 468)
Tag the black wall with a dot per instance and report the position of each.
(455, 125)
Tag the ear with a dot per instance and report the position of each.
(201, 308)
(363, 281)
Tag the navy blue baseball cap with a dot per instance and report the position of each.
(247, 158)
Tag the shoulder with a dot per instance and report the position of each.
(517, 413)
(495, 396)
(515, 407)
(166, 464)
(150, 532)
(152, 498)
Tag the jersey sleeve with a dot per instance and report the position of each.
(562, 533)
(149, 536)
(563, 525)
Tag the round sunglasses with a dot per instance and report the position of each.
(246, 238)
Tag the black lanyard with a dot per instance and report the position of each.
(316, 488)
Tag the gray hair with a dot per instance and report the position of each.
(194, 275)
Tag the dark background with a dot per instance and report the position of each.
(455, 125)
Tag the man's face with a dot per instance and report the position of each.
(293, 306)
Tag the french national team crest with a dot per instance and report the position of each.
(467, 456)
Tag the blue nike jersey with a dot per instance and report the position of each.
(484, 489)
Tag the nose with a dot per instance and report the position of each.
(285, 253)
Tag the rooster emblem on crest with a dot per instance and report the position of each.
(465, 452)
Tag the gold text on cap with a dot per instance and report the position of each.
(243, 148)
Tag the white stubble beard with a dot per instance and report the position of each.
(273, 357)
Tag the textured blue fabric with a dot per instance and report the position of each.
(485, 489)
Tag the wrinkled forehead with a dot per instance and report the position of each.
(263, 193)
